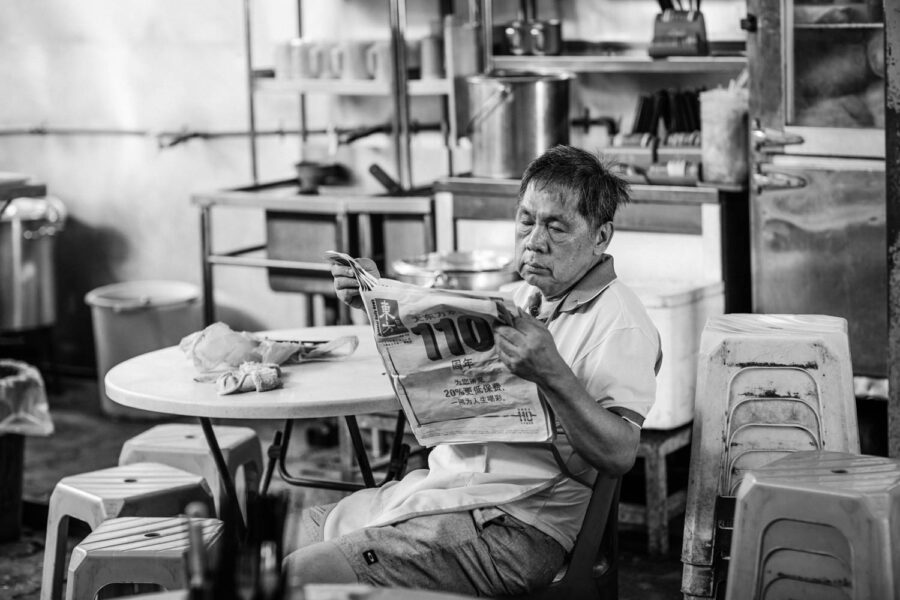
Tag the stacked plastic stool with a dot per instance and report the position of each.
(767, 386)
(137, 490)
(137, 550)
(184, 446)
(818, 525)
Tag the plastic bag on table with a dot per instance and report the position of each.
(219, 348)
(23, 400)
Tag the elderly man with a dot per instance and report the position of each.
(498, 519)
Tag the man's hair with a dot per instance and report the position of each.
(576, 174)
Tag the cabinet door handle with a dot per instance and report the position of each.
(774, 180)
(765, 138)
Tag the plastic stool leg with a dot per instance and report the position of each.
(54, 556)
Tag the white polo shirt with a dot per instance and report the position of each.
(604, 334)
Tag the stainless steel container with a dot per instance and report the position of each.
(27, 285)
(513, 118)
(481, 270)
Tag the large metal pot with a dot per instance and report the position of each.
(27, 286)
(480, 270)
(513, 118)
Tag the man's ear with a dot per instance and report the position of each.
(602, 237)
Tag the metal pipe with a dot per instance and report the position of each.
(251, 108)
(487, 27)
(302, 102)
(400, 92)
(169, 139)
(209, 304)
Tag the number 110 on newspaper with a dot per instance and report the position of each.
(439, 350)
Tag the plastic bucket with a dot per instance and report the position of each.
(135, 317)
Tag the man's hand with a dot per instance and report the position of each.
(528, 350)
(345, 285)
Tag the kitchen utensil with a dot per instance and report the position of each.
(378, 61)
(431, 57)
(518, 37)
(546, 37)
(305, 61)
(349, 60)
(395, 189)
(465, 270)
(514, 117)
(679, 33)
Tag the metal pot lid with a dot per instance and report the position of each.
(45, 208)
(469, 261)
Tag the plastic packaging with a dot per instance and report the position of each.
(724, 135)
(23, 400)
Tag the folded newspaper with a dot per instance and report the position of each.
(438, 348)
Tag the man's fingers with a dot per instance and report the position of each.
(345, 283)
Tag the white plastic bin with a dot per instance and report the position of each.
(135, 317)
(679, 310)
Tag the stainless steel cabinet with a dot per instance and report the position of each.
(821, 248)
(818, 187)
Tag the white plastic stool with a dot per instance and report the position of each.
(818, 525)
(141, 489)
(767, 386)
(136, 550)
(184, 446)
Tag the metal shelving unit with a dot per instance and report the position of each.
(621, 64)
(400, 88)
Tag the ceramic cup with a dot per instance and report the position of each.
(431, 57)
(546, 37)
(378, 60)
(282, 61)
(348, 60)
(518, 37)
(320, 54)
(304, 59)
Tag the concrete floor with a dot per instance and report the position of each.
(86, 440)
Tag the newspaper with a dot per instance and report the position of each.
(439, 350)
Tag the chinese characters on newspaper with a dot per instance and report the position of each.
(438, 348)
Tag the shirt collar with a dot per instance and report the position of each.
(590, 286)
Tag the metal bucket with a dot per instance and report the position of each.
(28, 227)
(515, 117)
(480, 270)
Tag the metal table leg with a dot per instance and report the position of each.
(234, 506)
(278, 452)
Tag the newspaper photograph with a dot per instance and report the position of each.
(438, 347)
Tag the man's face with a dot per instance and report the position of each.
(555, 246)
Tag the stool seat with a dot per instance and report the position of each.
(140, 489)
(184, 446)
(818, 525)
(136, 550)
(767, 386)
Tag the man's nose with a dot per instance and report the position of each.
(537, 239)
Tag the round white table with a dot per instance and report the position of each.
(163, 381)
